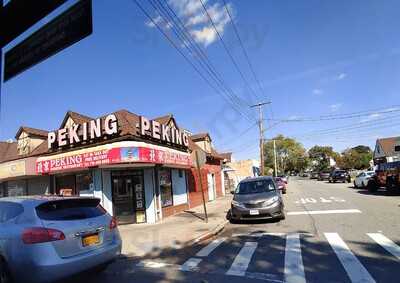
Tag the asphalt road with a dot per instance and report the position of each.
(332, 233)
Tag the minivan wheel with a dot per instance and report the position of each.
(4, 274)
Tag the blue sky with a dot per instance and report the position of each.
(312, 58)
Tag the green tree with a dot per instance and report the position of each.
(290, 155)
(356, 158)
(320, 157)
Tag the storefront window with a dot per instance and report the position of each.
(165, 187)
(16, 188)
(84, 183)
(2, 193)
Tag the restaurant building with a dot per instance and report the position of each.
(141, 169)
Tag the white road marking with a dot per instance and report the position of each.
(386, 243)
(242, 260)
(190, 264)
(336, 211)
(355, 270)
(294, 269)
(210, 247)
(154, 264)
(258, 234)
(264, 276)
(321, 199)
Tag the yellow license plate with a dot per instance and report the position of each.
(91, 240)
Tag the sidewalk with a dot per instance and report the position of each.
(175, 231)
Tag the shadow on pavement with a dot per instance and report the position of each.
(320, 263)
(380, 192)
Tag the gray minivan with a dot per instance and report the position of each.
(255, 199)
(46, 238)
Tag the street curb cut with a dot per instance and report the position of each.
(218, 229)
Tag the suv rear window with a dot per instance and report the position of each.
(70, 209)
(9, 210)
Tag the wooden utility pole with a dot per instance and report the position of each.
(261, 129)
(201, 186)
(275, 167)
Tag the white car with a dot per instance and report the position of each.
(361, 180)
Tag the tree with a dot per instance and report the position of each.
(320, 157)
(291, 155)
(358, 157)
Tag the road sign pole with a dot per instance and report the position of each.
(201, 186)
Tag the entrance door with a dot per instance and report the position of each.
(128, 198)
(211, 186)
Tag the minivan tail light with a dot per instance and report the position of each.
(37, 235)
(113, 223)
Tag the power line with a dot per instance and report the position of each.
(201, 54)
(351, 127)
(182, 54)
(227, 50)
(392, 109)
(246, 55)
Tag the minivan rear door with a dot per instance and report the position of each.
(83, 221)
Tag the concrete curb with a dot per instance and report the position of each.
(218, 229)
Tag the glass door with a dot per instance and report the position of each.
(123, 200)
(128, 197)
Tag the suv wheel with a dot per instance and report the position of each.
(4, 274)
(391, 187)
(372, 187)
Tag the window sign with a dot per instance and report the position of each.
(165, 187)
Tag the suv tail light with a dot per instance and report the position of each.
(41, 235)
(113, 223)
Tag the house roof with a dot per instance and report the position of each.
(388, 144)
(8, 151)
(227, 156)
(214, 154)
(200, 136)
(32, 131)
(77, 117)
(127, 121)
(166, 119)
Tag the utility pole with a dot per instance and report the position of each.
(261, 129)
(275, 168)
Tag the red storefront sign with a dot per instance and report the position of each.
(111, 156)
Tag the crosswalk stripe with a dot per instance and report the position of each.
(242, 260)
(355, 270)
(386, 243)
(294, 269)
(316, 212)
(190, 264)
(210, 247)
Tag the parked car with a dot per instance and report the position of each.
(324, 176)
(44, 239)
(361, 181)
(339, 176)
(305, 175)
(284, 178)
(257, 198)
(281, 184)
(314, 175)
(387, 176)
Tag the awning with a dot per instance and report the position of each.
(113, 153)
(17, 168)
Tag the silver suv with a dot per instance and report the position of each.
(255, 199)
(43, 239)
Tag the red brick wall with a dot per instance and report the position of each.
(195, 198)
(171, 210)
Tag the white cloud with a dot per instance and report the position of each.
(341, 76)
(335, 107)
(317, 91)
(193, 16)
(371, 117)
